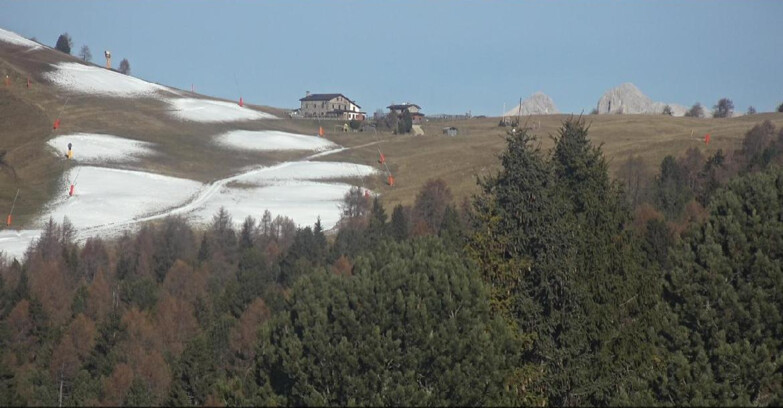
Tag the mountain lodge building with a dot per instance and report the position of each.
(332, 106)
(416, 116)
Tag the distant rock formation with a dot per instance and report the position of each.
(628, 99)
(537, 104)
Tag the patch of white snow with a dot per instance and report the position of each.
(209, 111)
(308, 170)
(103, 195)
(88, 79)
(302, 201)
(272, 140)
(14, 243)
(16, 39)
(96, 148)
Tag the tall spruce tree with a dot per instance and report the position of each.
(550, 240)
(399, 223)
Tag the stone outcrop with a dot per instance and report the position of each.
(537, 104)
(628, 99)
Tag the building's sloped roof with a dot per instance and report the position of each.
(326, 97)
(321, 97)
(403, 106)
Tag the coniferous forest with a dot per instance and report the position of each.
(555, 285)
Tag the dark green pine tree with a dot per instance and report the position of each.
(709, 177)
(451, 230)
(589, 316)
(8, 394)
(319, 242)
(308, 251)
(195, 375)
(138, 395)
(248, 234)
(520, 222)
(726, 286)
(84, 389)
(615, 351)
(22, 290)
(378, 219)
(222, 236)
(377, 228)
(412, 326)
(399, 223)
(204, 250)
(550, 239)
(671, 189)
(104, 355)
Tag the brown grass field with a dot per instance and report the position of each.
(474, 151)
(186, 150)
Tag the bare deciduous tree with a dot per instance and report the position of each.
(636, 180)
(724, 108)
(85, 54)
(696, 111)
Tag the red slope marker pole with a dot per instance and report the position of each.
(8, 221)
(57, 121)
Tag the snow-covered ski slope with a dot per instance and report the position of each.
(111, 194)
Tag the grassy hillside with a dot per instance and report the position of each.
(186, 150)
(474, 151)
(27, 114)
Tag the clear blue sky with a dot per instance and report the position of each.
(447, 56)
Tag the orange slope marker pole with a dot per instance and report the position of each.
(73, 183)
(390, 178)
(8, 221)
(57, 121)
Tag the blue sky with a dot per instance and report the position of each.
(447, 56)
